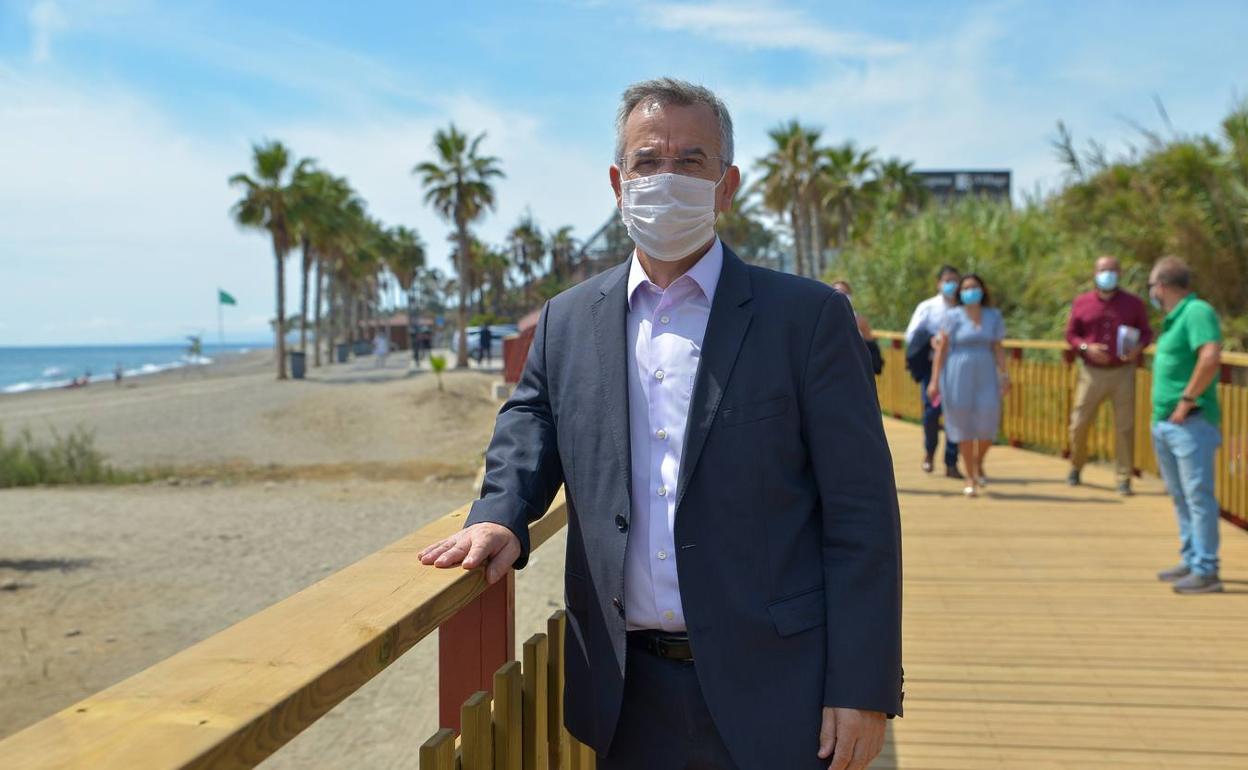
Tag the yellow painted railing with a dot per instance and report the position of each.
(240, 695)
(1036, 413)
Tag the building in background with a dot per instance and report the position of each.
(945, 186)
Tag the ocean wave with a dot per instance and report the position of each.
(47, 381)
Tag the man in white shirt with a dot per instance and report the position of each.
(929, 317)
(705, 414)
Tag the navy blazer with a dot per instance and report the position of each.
(787, 528)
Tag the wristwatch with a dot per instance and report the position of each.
(1187, 399)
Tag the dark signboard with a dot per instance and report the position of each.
(950, 185)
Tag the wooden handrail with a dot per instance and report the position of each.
(239, 695)
(1229, 358)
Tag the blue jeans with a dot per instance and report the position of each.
(931, 428)
(1185, 456)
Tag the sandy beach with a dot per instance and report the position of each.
(269, 487)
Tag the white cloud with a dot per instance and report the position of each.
(46, 18)
(945, 102)
(766, 26)
(111, 210)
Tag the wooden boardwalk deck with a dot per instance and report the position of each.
(1037, 636)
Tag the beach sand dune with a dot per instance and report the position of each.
(273, 487)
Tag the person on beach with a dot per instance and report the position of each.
(1186, 416)
(118, 373)
(1109, 328)
(969, 377)
(381, 349)
(486, 345)
(864, 328)
(927, 320)
(702, 412)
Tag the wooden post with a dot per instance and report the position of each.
(508, 714)
(438, 753)
(477, 742)
(558, 734)
(1016, 439)
(472, 644)
(536, 708)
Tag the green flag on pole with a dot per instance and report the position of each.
(225, 298)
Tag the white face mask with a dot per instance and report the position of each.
(668, 216)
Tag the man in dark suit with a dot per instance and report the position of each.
(733, 571)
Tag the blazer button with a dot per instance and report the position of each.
(621, 523)
(619, 605)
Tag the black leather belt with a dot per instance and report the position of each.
(662, 644)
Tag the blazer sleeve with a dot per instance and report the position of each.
(861, 533)
(522, 468)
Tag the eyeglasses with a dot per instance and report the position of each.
(649, 165)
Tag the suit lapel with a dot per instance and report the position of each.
(610, 313)
(725, 329)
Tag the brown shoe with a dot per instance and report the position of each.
(952, 472)
(927, 464)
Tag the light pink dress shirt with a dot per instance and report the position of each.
(665, 332)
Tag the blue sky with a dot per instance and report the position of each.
(121, 121)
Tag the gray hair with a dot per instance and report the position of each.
(1172, 271)
(665, 91)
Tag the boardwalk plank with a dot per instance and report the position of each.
(1036, 635)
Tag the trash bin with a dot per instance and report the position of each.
(298, 364)
(363, 347)
(344, 352)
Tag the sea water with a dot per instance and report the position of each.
(42, 368)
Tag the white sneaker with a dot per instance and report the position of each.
(970, 492)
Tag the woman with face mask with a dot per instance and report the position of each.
(969, 376)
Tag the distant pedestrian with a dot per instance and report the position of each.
(1109, 328)
(486, 337)
(1185, 420)
(118, 373)
(969, 378)
(864, 328)
(381, 349)
(926, 323)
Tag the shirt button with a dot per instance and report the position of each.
(660, 434)
(662, 555)
(659, 375)
(662, 491)
(669, 615)
(665, 319)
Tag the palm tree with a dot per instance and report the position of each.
(458, 186)
(842, 176)
(528, 248)
(562, 246)
(494, 266)
(787, 181)
(312, 201)
(901, 189)
(264, 206)
(742, 228)
(405, 259)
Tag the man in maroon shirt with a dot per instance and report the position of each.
(1103, 328)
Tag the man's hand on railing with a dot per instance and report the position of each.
(486, 543)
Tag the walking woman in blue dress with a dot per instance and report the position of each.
(969, 378)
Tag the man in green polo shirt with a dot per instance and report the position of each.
(1185, 420)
